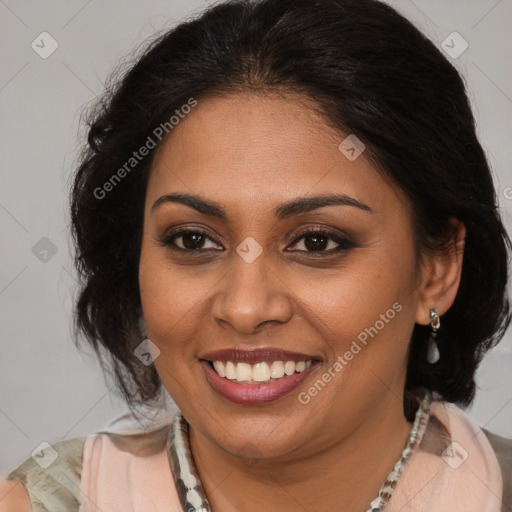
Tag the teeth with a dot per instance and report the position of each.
(230, 370)
(300, 366)
(259, 372)
(289, 367)
(243, 372)
(277, 369)
(219, 368)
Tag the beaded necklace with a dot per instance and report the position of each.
(190, 489)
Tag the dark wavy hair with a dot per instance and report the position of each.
(369, 72)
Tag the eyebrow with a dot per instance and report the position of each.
(283, 211)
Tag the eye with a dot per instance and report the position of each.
(191, 240)
(318, 241)
(313, 240)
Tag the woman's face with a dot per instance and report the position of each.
(343, 301)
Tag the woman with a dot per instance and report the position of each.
(284, 219)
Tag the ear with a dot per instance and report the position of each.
(440, 276)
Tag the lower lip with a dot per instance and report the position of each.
(252, 394)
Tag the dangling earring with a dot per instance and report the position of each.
(432, 350)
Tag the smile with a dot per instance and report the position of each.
(260, 372)
(256, 376)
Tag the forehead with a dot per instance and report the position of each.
(249, 151)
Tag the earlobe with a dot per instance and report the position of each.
(441, 276)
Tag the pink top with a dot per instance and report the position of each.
(121, 477)
(135, 476)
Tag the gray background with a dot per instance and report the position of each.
(48, 389)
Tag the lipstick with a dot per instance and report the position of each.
(261, 392)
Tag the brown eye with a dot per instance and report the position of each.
(191, 240)
(322, 242)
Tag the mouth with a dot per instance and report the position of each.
(245, 373)
(256, 376)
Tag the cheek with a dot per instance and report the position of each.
(172, 298)
(164, 299)
(369, 303)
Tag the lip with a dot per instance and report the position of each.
(255, 394)
(257, 355)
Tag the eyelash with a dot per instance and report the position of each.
(344, 243)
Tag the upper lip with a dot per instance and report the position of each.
(256, 355)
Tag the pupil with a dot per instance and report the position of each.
(193, 245)
(316, 244)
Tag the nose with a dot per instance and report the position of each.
(251, 296)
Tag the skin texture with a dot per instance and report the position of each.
(251, 153)
(13, 497)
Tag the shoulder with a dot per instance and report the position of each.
(502, 446)
(50, 480)
(13, 497)
(474, 452)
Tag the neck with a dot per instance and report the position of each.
(346, 476)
